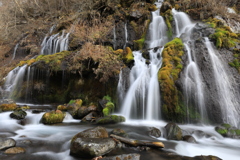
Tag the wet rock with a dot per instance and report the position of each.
(15, 150)
(173, 131)
(91, 147)
(25, 142)
(18, 114)
(136, 14)
(189, 139)
(155, 132)
(7, 143)
(133, 156)
(119, 132)
(53, 117)
(111, 119)
(83, 111)
(73, 106)
(97, 132)
(91, 117)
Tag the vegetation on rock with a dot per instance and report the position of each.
(53, 117)
(111, 119)
(167, 75)
(8, 107)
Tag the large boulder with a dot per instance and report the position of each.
(97, 132)
(91, 147)
(7, 143)
(53, 117)
(15, 150)
(18, 114)
(91, 143)
(133, 156)
(173, 131)
(111, 119)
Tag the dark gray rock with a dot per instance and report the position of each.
(133, 156)
(7, 143)
(173, 131)
(111, 119)
(97, 132)
(91, 147)
(155, 132)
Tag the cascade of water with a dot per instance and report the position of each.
(1, 90)
(126, 36)
(143, 98)
(183, 22)
(193, 89)
(15, 50)
(15, 79)
(228, 99)
(55, 43)
(114, 37)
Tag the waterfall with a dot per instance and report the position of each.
(55, 43)
(193, 87)
(142, 100)
(126, 36)
(114, 37)
(14, 79)
(228, 99)
(15, 50)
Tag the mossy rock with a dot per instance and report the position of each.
(73, 107)
(111, 119)
(53, 117)
(119, 132)
(18, 114)
(8, 107)
(128, 55)
(173, 131)
(221, 130)
(173, 108)
(108, 109)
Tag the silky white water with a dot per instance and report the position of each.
(55, 43)
(228, 100)
(142, 100)
(193, 88)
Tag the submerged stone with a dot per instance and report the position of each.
(119, 132)
(15, 150)
(155, 132)
(7, 143)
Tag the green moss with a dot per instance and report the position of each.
(167, 75)
(108, 109)
(78, 102)
(8, 107)
(222, 131)
(225, 125)
(237, 131)
(108, 98)
(54, 61)
(223, 36)
(111, 119)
